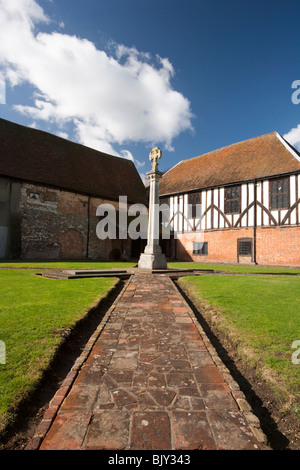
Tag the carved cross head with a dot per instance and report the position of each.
(155, 154)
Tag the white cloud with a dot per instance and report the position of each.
(2, 91)
(293, 137)
(110, 99)
(64, 135)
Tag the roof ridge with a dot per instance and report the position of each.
(263, 156)
(228, 146)
(40, 157)
(289, 147)
(33, 129)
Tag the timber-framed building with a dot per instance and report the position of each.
(249, 194)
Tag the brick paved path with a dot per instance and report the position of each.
(151, 383)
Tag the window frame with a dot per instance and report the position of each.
(231, 199)
(164, 201)
(192, 203)
(203, 251)
(277, 195)
(245, 240)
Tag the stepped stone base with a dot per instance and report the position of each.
(152, 261)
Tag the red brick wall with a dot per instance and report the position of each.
(58, 224)
(278, 245)
(53, 224)
(274, 245)
(222, 245)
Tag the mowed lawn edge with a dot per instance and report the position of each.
(236, 268)
(35, 313)
(259, 315)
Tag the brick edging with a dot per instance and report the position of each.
(55, 403)
(239, 396)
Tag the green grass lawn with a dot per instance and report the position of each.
(67, 264)
(34, 311)
(235, 268)
(262, 315)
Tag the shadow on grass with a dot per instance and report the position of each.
(276, 439)
(31, 410)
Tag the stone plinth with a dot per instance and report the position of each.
(152, 261)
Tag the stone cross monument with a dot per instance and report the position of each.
(153, 258)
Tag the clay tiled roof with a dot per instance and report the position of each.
(39, 157)
(261, 157)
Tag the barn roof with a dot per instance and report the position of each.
(260, 157)
(39, 157)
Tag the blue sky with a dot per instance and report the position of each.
(123, 76)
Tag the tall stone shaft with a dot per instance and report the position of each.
(153, 258)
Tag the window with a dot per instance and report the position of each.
(279, 193)
(164, 206)
(245, 247)
(194, 200)
(164, 211)
(164, 200)
(233, 200)
(200, 248)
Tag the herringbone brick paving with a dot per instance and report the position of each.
(150, 382)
